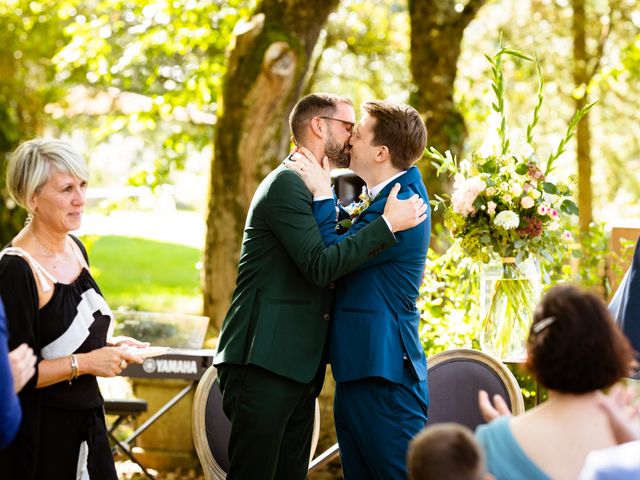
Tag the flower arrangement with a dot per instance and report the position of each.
(507, 205)
(505, 201)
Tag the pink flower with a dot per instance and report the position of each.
(543, 210)
(535, 172)
(465, 194)
(553, 213)
(491, 208)
(567, 235)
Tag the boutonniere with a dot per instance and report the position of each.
(354, 209)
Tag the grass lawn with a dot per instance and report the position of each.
(143, 274)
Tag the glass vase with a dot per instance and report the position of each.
(509, 292)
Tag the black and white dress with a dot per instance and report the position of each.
(63, 433)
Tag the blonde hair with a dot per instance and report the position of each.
(31, 164)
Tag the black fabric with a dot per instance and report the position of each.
(271, 423)
(59, 458)
(218, 427)
(39, 327)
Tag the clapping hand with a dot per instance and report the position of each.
(491, 411)
(622, 408)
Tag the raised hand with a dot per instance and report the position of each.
(622, 411)
(490, 411)
(23, 366)
(404, 214)
(316, 176)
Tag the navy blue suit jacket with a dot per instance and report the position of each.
(375, 321)
(10, 412)
(625, 305)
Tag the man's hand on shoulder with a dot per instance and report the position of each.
(316, 177)
(404, 214)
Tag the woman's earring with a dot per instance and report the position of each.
(29, 219)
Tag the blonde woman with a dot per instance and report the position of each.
(54, 305)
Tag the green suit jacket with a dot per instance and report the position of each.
(279, 314)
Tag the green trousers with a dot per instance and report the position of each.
(271, 423)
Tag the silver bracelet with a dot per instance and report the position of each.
(74, 368)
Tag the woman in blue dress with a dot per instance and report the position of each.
(574, 350)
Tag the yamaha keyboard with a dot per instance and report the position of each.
(187, 364)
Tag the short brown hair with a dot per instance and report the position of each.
(447, 451)
(574, 346)
(401, 129)
(313, 105)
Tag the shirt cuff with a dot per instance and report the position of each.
(387, 222)
(322, 197)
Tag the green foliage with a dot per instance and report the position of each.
(162, 64)
(146, 275)
(30, 34)
(363, 53)
(448, 304)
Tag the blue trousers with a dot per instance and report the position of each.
(375, 421)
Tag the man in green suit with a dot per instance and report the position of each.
(270, 355)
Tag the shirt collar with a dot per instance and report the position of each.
(378, 188)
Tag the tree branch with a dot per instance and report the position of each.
(469, 13)
(604, 35)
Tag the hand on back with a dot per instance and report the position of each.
(404, 214)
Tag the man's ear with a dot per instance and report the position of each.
(382, 154)
(315, 125)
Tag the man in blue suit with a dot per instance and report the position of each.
(625, 304)
(377, 359)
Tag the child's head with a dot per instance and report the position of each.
(447, 451)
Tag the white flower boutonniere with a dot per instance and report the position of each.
(355, 208)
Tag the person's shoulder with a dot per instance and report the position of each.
(15, 269)
(285, 182)
(495, 428)
(14, 265)
(81, 246)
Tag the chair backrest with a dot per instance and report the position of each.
(211, 427)
(456, 376)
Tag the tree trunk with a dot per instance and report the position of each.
(583, 134)
(437, 30)
(264, 78)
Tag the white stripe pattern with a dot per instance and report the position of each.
(78, 331)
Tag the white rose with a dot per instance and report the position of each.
(527, 202)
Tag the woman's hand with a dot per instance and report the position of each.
(622, 410)
(491, 411)
(23, 365)
(105, 361)
(121, 341)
